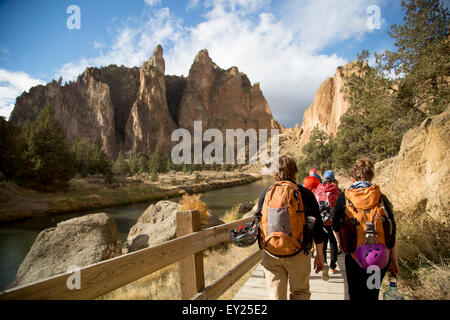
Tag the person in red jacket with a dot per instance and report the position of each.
(311, 183)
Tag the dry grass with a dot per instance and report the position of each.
(232, 215)
(193, 202)
(424, 247)
(432, 282)
(165, 283)
(420, 235)
(161, 285)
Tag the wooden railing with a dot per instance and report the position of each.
(187, 249)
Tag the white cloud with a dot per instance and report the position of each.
(99, 44)
(152, 2)
(12, 84)
(280, 50)
(192, 4)
(320, 23)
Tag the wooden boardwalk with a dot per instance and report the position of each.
(333, 289)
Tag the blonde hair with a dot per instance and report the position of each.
(287, 169)
(363, 170)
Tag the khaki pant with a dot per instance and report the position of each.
(279, 271)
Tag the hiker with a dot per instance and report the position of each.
(312, 181)
(290, 220)
(365, 229)
(326, 195)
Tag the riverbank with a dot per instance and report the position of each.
(92, 193)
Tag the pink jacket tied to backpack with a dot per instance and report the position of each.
(327, 192)
(326, 195)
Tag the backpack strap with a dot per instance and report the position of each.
(387, 215)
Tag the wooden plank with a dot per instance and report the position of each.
(216, 289)
(106, 276)
(192, 275)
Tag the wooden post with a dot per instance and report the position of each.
(192, 276)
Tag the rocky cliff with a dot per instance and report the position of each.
(417, 178)
(222, 99)
(328, 106)
(136, 109)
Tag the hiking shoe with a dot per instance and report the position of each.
(333, 271)
(325, 276)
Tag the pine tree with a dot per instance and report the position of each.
(120, 166)
(317, 153)
(138, 163)
(158, 161)
(9, 147)
(50, 166)
(422, 57)
(154, 175)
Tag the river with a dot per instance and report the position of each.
(16, 238)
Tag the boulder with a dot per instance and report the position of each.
(158, 224)
(79, 242)
(246, 207)
(417, 178)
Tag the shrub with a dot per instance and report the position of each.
(193, 202)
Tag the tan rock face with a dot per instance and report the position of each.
(150, 124)
(222, 99)
(136, 109)
(328, 106)
(97, 105)
(417, 178)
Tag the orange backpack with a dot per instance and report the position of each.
(365, 206)
(282, 220)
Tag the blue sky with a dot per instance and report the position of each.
(289, 46)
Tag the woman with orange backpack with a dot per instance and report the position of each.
(289, 221)
(365, 228)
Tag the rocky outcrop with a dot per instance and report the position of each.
(79, 242)
(150, 125)
(246, 207)
(97, 105)
(136, 109)
(222, 99)
(417, 178)
(157, 225)
(328, 106)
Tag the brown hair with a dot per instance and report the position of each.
(287, 169)
(363, 170)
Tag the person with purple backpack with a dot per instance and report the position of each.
(365, 229)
